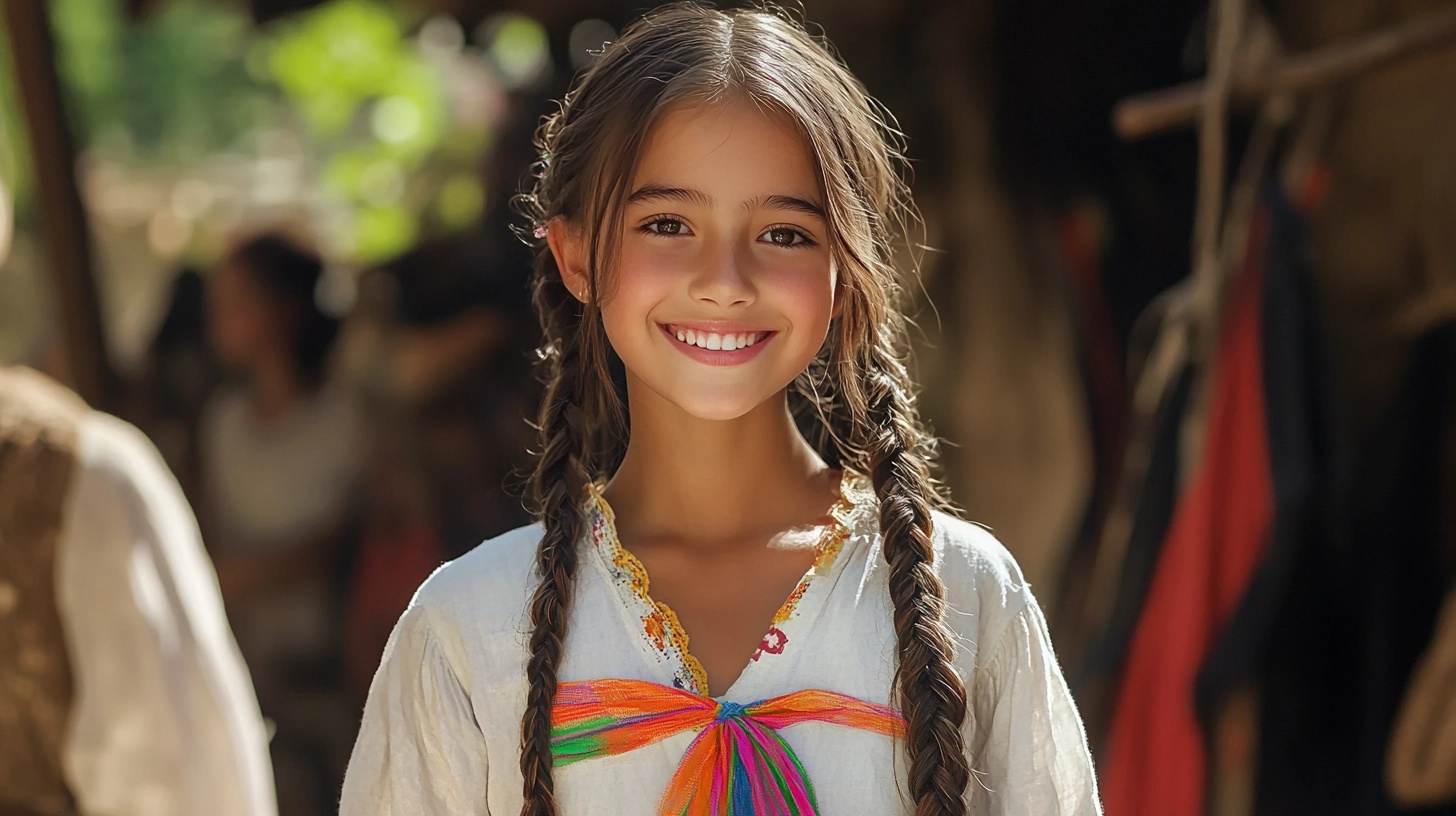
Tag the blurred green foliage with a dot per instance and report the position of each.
(379, 109)
(14, 147)
(196, 78)
(170, 88)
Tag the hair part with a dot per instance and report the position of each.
(856, 396)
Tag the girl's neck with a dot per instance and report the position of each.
(693, 479)
(274, 389)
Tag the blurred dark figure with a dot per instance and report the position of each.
(282, 455)
(179, 374)
(121, 689)
(439, 339)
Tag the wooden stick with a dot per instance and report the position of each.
(1146, 114)
(1225, 30)
(63, 224)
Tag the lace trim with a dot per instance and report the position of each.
(661, 625)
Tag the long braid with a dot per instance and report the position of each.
(932, 694)
(556, 488)
(871, 402)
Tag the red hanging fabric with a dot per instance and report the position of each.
(1156, 763)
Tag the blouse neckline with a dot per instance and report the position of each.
(660, 634)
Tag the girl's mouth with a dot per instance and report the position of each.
(716, 347)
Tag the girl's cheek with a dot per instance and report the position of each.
(810, 287)
(651, 276)
(639, 282)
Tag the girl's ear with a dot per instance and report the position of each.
(569, 250)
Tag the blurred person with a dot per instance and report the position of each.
(121, 688)
(399, 546)
(461, 331)
(282, 454)
(179, 373)
(435, 343)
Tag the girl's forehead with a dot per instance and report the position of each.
(731, 143)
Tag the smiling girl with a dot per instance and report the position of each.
(738, 598)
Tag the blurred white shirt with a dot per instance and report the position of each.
(164, 720)
(277, 482)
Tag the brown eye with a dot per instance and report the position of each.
(786, 237)
(664, 226)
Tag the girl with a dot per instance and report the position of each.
(718, 200)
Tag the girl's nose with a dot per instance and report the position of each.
(723, 278)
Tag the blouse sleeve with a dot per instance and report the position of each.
(164, 720)
(1028, 749)
(420, 751)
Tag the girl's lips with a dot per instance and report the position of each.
(752, 342)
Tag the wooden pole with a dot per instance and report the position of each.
(63, 225)
(1225, 31)
(1147, 114)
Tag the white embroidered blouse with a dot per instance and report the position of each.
(441, 730)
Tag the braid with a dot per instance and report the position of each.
(556, 487)
(932, 693)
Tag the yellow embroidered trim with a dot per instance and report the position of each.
(662, 626)
(830, 543)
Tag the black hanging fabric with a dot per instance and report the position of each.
(1297, 402)
(1153, 510)
(1348, 597)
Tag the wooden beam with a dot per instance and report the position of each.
(1146, 114)
(63, 224)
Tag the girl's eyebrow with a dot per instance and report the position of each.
(783, 202)
(659, 192)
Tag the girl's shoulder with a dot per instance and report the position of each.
(485, 590)
(981, 576)
(967, 551)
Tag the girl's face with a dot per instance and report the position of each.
(724, 288)
(244, 323)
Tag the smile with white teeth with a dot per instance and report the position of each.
(714, 341)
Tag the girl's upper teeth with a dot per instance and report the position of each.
(715, 341)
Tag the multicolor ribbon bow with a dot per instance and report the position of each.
(737, 765)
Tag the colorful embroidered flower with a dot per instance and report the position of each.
(773, 643)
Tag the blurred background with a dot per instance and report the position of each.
(1192, 347)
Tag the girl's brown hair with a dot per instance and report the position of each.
(856, 396)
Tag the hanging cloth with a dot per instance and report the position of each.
(1360, 608)
(1156, 762)
(1105, 590)
(1306, 459)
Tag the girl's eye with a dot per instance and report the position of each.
(664, 225)
(786, 237)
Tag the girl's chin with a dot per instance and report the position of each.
(717, 411)
(717, 404)
(715, 395)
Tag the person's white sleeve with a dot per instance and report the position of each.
(164, 720)
(1027, 747)
(420, 751)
